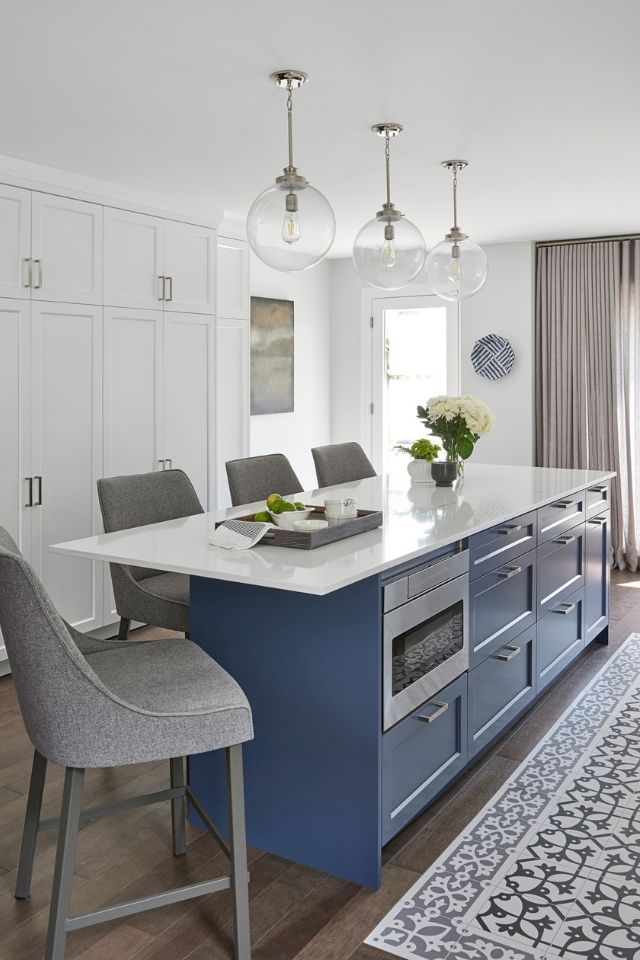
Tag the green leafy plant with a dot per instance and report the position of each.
(421, 450)
(458, 421)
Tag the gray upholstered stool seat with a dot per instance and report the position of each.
(147, 596)
(91, 703)
(254, 478)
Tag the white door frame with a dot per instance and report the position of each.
(374, 301)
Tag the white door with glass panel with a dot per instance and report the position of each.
(414, 356)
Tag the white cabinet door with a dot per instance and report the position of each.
(133, 259)
(232, 281)
(15, 242)
(66, 356)
(133, 390)
(189, 351)
(232, 400)
(66, 246)
(189, 266)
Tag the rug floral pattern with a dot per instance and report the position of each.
(551, 866)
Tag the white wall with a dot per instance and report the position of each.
(504, 306)
(309, 425)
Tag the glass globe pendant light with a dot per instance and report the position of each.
(456, 267)
(389, 252)
(291, 225)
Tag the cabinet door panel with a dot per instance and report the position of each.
(189, 263)
(15, 462)
(15, 241)
(561, 568)
(189, 342)
(502, 605)
(67, 453)
(561, 638)
(232, 400)
(132, 391)
(67, 240)
(133, 259)
(232, 278)
(596, 594)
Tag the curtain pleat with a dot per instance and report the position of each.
(587, 367)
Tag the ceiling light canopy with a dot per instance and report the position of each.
(291, 225)
(456, 267)
(389, 251)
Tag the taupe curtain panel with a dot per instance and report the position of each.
(588, 365)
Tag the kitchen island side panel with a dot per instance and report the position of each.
(311, 669)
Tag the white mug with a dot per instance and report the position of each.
(346, 508)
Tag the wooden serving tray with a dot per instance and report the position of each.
(310, 539)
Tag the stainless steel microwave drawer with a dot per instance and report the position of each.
(499, 544)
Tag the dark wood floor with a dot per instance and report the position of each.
(296, 912)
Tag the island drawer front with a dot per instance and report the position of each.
(500, 688)
(561, 638)
(561, 568)
(502, 604)
(561, 515)
(502, 543)
(419, 757)
(598, 498)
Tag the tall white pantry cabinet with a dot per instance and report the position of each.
(124, 348)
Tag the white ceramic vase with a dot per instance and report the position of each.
(420, 471)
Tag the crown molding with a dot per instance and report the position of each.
(233, 226)
(36, 176)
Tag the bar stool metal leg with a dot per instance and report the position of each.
(31, 824)
(63, 871)
(178, 807)
(239, 871)
(123, 632)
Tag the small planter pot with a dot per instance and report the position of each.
(420, 471)
(444, 472)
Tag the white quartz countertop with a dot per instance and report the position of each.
(418, 518)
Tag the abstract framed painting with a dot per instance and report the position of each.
(272, 355)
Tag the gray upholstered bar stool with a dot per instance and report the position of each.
(88, 703)
(254, 478)
(161, 599)
(341, 463)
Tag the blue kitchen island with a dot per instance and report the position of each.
(380, 667)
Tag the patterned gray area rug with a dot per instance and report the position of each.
(551, 866)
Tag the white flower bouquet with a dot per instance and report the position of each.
(458, 421)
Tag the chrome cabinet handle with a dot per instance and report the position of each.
(170, 462)
(163, 281)
(38, 502)
(29, 502)
(565, 540)
(598, 521)
(441, 708)
(602, 489)
(170, 297)
(568, 607)
(510, 528)
(564, 504)
(38, 284)
(162, 462)
(509, 572)
(26, 273)
(513, 652)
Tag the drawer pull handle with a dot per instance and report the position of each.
(564, 504)
(442, 708)
(509, 572)
(565, 540)
(510, 528)
(598, 521)
(564, 608)
(513, 652)
(602, 489)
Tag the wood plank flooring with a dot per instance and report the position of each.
(296, 912)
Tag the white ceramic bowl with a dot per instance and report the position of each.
(286, 520)
(307, 526)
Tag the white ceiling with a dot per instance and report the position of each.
(172, 95)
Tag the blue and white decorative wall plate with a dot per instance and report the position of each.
(492, 356)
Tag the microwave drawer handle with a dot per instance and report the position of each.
(513, 652)
(441, 708)
(510, 528)
(509, 572)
